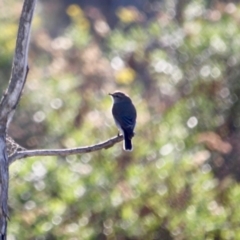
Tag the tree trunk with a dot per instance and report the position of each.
(9, 102)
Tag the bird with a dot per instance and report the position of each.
(124, 114)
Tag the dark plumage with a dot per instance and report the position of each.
(124, 114)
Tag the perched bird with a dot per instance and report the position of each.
(124, 114)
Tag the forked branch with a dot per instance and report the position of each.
(9, 102)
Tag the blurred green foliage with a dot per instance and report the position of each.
(181, 180)
(8, 27)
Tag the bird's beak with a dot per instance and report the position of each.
(110, 94)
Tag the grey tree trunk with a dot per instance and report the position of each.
(9, 102)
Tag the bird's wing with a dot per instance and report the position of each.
(126, 118)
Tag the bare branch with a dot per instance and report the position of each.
(19, 67)
(64, 152)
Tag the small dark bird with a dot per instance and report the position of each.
(124, 114)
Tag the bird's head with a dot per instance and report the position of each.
(119, 97)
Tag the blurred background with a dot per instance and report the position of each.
(180, 63)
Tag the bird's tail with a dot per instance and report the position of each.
(127, 144)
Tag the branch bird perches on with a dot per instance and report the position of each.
(15, 151)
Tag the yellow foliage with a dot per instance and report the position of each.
(125, 76)
(8, 37)
(37, 21)
(127, 15)
(82, 23)
(74, 11)
(77, 15)
(9, 32)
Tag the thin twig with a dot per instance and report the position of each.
(64, 152)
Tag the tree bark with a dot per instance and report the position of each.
(9, 102)
(9, 150)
